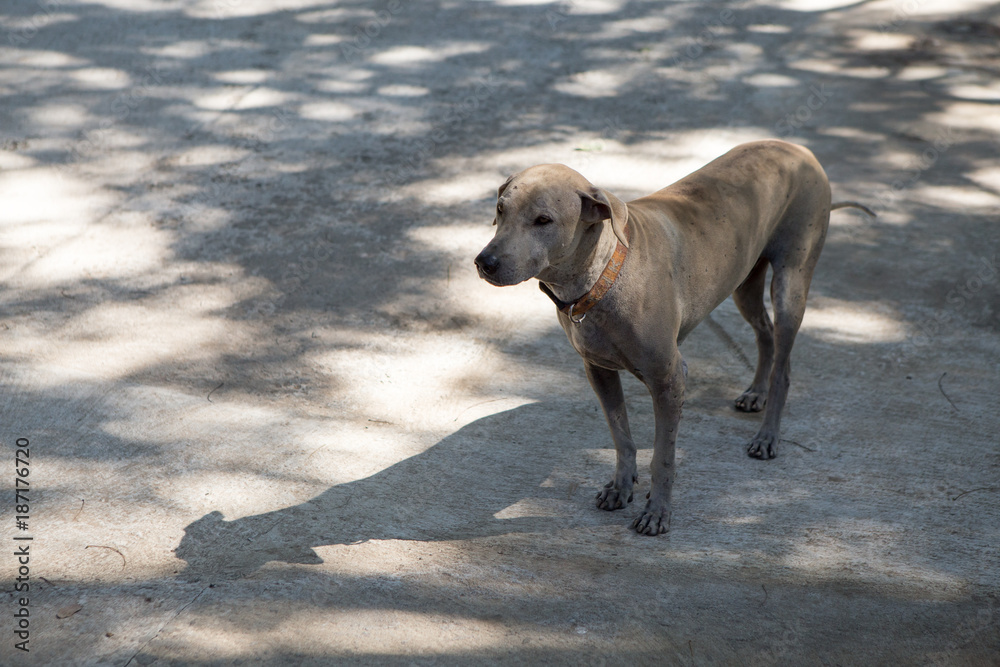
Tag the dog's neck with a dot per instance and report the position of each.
(573, 278)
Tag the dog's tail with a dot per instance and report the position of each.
(852, 204)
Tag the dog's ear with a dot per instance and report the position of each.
(500, 192)
(503, 187)
(598, 205)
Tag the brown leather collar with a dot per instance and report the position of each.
(577, 310)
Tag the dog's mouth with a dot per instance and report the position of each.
(499, 281)
(493, 280)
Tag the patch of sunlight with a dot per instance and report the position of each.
(908, 10)
(313, 451)
(109, 250)
(46, 59)
(592, 84)
(242, 76)
(530, 507)
(103, 78)
(339, 636)
(230, 9)
(187, 49)
(833, 66)
(871, 72)
(116, 339)
(824, 66)
(922, 72)
(839, 322)
(264, 97)
(399, 90)
(769, 28)
(332, 112)
(46, 195)
(851, 133)
(323, 41)
(456, 239)
(127, 338)
(596, 6)
(969, 91)
(602, 167)
(408, 383)
(411, 55)
(863, 550)
(870, 40)
(316, 450)
(20, 26)
(243, 98)
(341, 453)
(902, 159)
(959, 197)
(341, 87)
(10, 160)
(988, 177)
(740, 520)
(119, 161)
(967, 116)
(291, 167)
(332, 16)
(814, 5)
(767, 80)
(521, 3)
(201, 156)
(404, 55)
(629, 27)
(66, 115)
(466, 187)
(219, 100)
(235, 495)
(130, 6)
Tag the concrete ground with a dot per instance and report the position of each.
(274, 417)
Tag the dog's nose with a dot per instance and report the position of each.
(487, 263)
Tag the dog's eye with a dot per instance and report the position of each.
(542, 220)
(499, 209)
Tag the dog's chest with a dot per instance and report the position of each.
(593, 342)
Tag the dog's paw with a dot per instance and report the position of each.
(763, 447)
(653, 521)
(614, 496)
(751, 400)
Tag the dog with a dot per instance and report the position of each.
(631, 280)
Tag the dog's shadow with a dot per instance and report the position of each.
(451, 491)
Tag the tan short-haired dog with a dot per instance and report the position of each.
(630, 281)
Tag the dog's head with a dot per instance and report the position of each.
(543, 214)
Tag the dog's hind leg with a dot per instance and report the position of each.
(749, 298)
(789, 289)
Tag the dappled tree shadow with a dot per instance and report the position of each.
(280, 162)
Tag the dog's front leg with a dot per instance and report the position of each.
(617, 493)
(668, 398)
